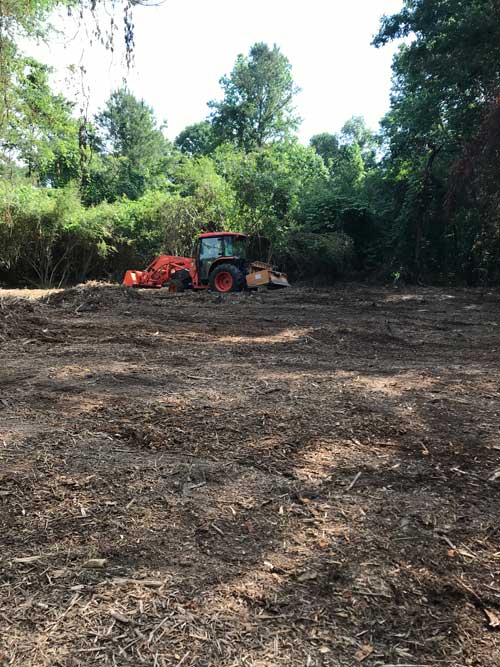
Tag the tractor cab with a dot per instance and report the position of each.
(215, 248)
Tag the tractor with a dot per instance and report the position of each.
(219, 263)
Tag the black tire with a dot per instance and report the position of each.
(181, 280)
(239, 280)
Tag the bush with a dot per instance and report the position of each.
(324, 256)
(48, 238)
(38, 231)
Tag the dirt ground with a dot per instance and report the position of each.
(297, 478)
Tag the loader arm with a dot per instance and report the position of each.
(159, 272)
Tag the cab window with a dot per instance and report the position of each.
(211, 248)
(236, 246)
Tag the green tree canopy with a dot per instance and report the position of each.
(257, 106)
(446, 82)
(40, 133)
(136, 155)
(196, 140)
(327, 145)
(449, 70)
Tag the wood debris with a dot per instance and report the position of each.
(277, 480)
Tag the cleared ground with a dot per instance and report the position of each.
(293, 478)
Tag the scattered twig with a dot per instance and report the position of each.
(217, 529)
(183, 660)
(351, 485)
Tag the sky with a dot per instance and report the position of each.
(183, 47)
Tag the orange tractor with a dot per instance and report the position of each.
(219, 264)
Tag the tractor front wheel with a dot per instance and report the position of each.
(226, 278)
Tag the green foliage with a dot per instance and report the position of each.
(22, 19)
(356, 133)
(349, 155)
(328, 146)
(446, 79)
(135, 154)
(347, 203)
(419, 201)
(257, 106)
(268, 184)
(325, 256)
(452, 62)
(212, 194)
(42, 232)
(40, 131)
(197, 140)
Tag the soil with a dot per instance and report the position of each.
(296, 478)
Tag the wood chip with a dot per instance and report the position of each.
(351, 485)
(493, 618)
(149, 583)
(58, 574)
(363, 653)
(95, 563)
(119, 617)
(27, 559)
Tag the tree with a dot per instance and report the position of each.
(356, 132)
(453, 59)
(446, 81)
(40, 132)
(136, 155)
(30, 19)
(257, 106)
(269, 184)
(327, 145)
(196, 140)
(348, 155)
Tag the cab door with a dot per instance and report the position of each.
(209, 249)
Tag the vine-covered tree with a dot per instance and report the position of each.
(446, 82)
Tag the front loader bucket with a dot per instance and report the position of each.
(132, 278)
(267, 278)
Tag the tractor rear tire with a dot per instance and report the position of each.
(227, 278)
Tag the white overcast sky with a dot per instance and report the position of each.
(183, 47)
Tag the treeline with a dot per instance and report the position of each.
(82, 198)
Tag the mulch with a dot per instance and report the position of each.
(297, 478)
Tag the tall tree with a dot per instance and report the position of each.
(446, 81)
(355, 131)
(136, 153)
(452, 63)
(257, 106)
(349, 155)
(24, 97)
